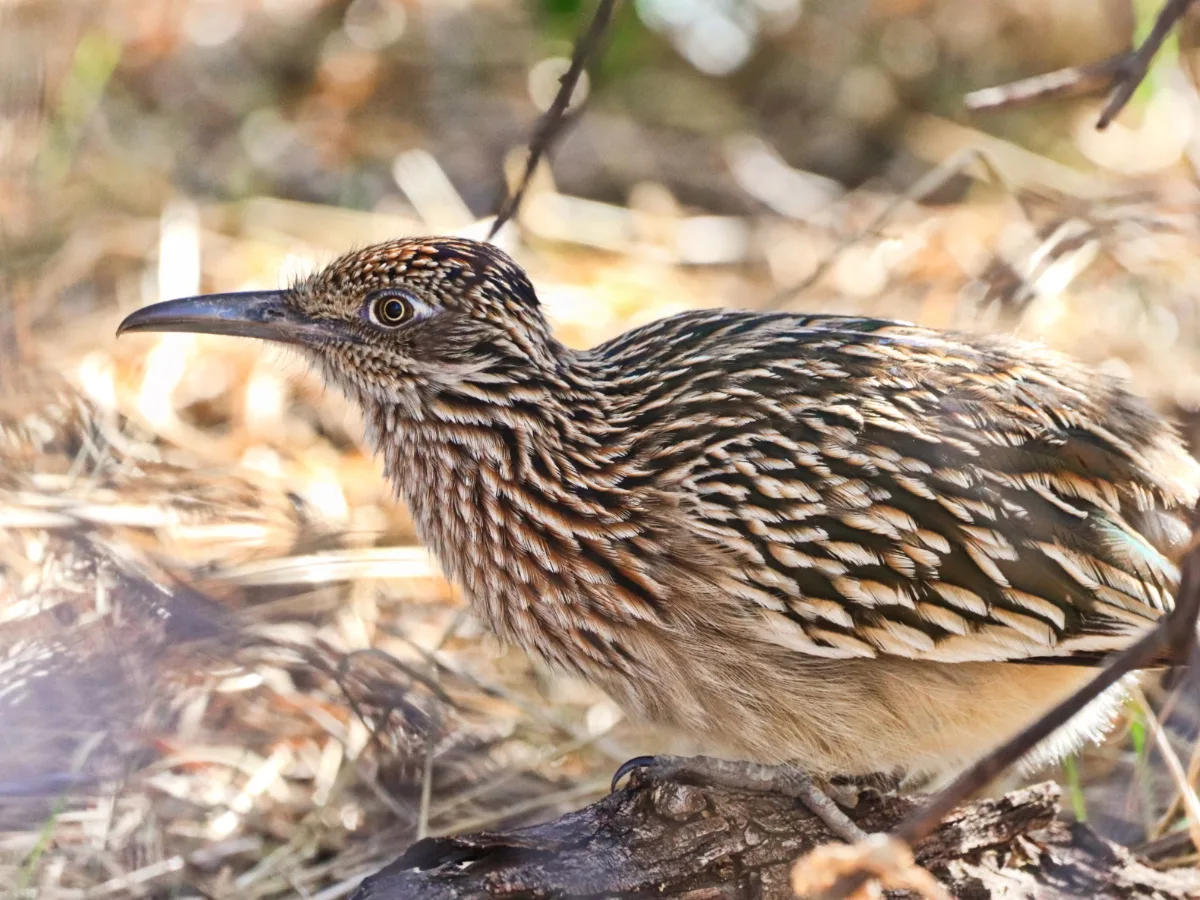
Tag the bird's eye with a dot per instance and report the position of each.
(390, 310)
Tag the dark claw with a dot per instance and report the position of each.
(630, 766)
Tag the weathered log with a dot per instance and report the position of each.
(665, 839)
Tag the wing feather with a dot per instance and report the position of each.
(889, 489)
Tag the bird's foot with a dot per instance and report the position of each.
(787, 780)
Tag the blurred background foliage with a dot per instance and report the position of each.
(226, 666)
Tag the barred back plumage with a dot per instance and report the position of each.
(854, 544)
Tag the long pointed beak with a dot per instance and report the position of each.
(259, 314)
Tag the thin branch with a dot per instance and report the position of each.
(1092, 78)
(1136, 656)
(932, 181)
(551, 125)
(1175, 632)
(1119, 75)
(1139, 61)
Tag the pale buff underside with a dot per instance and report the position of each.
(859, 717)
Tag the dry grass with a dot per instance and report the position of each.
(228, 669)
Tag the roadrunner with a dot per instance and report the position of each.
(822, 544)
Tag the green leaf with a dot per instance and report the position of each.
(1075, 787)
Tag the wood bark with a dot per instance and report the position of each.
(663, 839)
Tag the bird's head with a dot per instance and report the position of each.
(391, 324)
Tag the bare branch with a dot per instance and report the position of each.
(1073, 80)
(551, 125)
(932, 181)
(1134, 73)
(1175, 633)
(1119, 75)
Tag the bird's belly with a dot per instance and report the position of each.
(858, 717)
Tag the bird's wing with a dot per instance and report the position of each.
(894, 490)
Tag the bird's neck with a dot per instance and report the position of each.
(523, 491)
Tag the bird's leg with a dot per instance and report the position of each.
(785, 779)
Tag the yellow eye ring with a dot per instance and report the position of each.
(390, 309)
